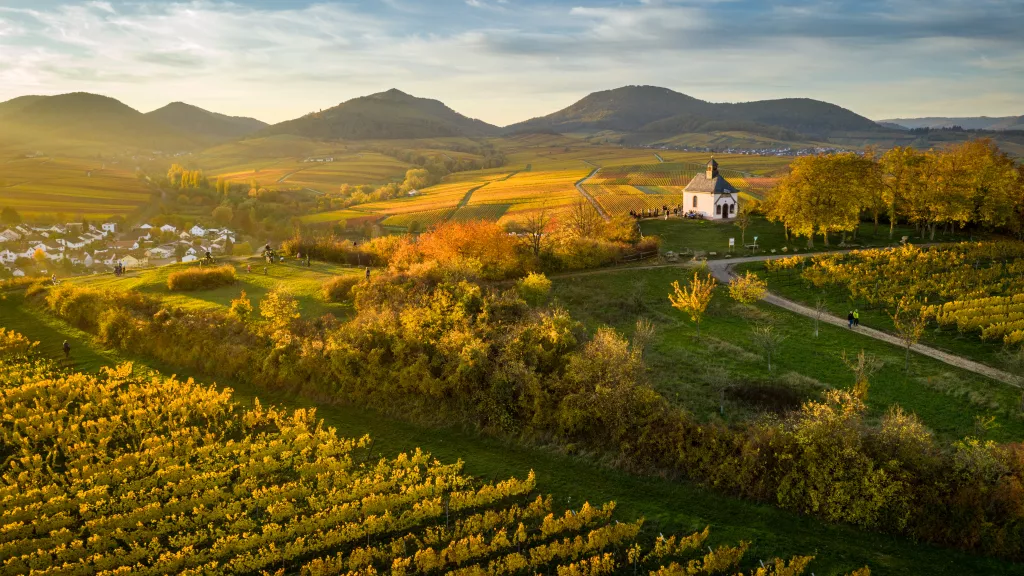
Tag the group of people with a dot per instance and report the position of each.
(653, 212)
(119, 269)
(853, 317)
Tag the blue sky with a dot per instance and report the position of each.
(508, 60)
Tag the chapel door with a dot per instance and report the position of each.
(725, 211)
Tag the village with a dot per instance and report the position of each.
(83, 248)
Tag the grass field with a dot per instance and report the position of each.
(36, 186)
(668, 505)
(302, 282)
(695, 373)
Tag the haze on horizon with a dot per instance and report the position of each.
(505, 61)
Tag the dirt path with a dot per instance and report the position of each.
(585, 194)
(658, 156)
(290, 174)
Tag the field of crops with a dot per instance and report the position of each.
(425, 219)
(480, 212)
(531, 190)
(71, 187)
(444, 195)
(333, 216)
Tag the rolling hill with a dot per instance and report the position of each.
(654, 110)
(967, 123)
(386, 115)
(195, 120)
(83, 121)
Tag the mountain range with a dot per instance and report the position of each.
(967, 123)
(84, 121)
(631, 114)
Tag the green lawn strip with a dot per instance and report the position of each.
(693, 372)
(668, 506)
(303, 282)
(789, 285)
(680, 235)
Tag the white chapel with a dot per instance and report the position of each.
(710, 195)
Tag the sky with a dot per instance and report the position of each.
(505, 61)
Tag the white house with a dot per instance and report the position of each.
(73, 243)
(18, 273)
(89, 261)
(710, 195)
(160, 252)
(198, 230)
(109, 227)
(6, 256)
(189, 258)
(9, 236)
(169, 228)
(145, 227)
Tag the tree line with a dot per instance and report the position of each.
(970, 184)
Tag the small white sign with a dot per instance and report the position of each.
(732, 242)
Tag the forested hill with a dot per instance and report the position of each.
(195, 120)
(83, 121)
(660, 110)
(391, 114)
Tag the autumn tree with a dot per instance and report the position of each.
(241, 307)
(582, 219)
(900, 171)
(39, 255)
(693, 299)
(748, 288)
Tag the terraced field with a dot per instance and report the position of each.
(425, 219)
(72, 187)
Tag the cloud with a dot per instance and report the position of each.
(506, 62)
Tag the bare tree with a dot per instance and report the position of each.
(643, 335)
(820, 307)
(910, 322)
(862, 367)
(583, 220)
(768, 340)
(535, 226)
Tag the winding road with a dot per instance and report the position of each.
(593, 202)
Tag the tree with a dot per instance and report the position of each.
(241, 307)
(820, 307)
(10, 216)
(582, 220)
(900, 170)
(748, 288)
(694, 299)
(39, 256)
(863, 367)
(535, 226)
(910, 321)
(768, 340)
(280, 310)
(223, 215)
(743, 220)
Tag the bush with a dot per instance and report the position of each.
(196, 278)
(534, 288)
(339, 288)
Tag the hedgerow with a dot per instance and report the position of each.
(199, 278)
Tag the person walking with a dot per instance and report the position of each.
(248, 268)
(856, 318)
(67, 350)
(849, 318)
(367, 272)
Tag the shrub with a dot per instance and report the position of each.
(534, 288)
(196, 278)
(339, 288)
(748, 288)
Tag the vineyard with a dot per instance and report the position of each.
(974, 286)
(116, 473)
(73, 187)
(425, 219)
